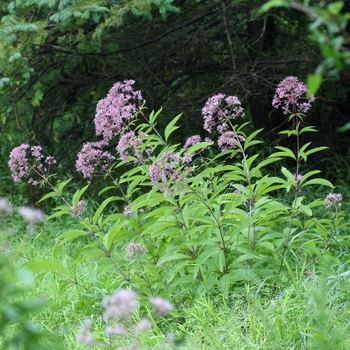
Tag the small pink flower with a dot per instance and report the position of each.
(335, 200)
(160, 305)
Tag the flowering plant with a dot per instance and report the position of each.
(189, 224)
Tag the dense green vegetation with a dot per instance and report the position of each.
(217, 221)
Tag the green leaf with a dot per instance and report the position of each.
(271, 4)
(48, 195)
(101, 208)
(77, 195)
(313, 83)
(171, 257)
(171, 127)
(318, 181)
(69, 235)
(153, 116)
(224, 285)
(286, 152)
(62, 185)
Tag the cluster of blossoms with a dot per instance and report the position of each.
(134, 248)
(92, 158)
(120, 308)
(130, 145)
(113, 116)
(79, 209)
(21, 167)
(288, 93)
(117, 109)
(334, 200)
(219, 111)
(171, 168)
(5, 207)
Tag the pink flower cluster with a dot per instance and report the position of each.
(92, 159)
(79, 209)
(134, 248)
(170, 168)
(113, 115)
(215, 114)
(334, 200)
(21, 167)
(220, 116)
(119, 311)
(130, 145)
(288, 93)
(116, 110)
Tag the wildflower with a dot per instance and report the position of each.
(5, 206)
(115, 111)
(215, 114)
(85, 335)
(134, 248)
(21, 167)
(129, 144)
(160, 305)
(121, 304)
(91, 157)
(79, 209)
(127, 212)
(171, 167)
(31, 215)
(288, 93)
(144, 325)
(229, 140)
(117, 330)
(193, 140)
(334, 199)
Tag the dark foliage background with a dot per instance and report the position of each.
(58, 58)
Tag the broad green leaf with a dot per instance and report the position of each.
(69, 235)
(224, 285)
(318, 181)
(77, 195)
(271, 4)
(108, 238)
(153, 116)
(62, 185)
(285, 152)
(313, 83)
(102, 207)
(48, 195)
(171, 127)
(47, 265)
(171, 257)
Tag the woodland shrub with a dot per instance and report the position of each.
(193, 224)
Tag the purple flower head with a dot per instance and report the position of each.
(229, 140)
(170, 168)
(79, 209)
(219, 110)
(5, 206)
(92, 160)
(160, 305)
(31, 215)
(130, 145)
(335, 200)
(121, 304)
(21, 167)
(85, 334)
(134, 248)
(288, 93)
(115, 111)
(191, 141)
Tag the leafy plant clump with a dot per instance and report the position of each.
(178, 223)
